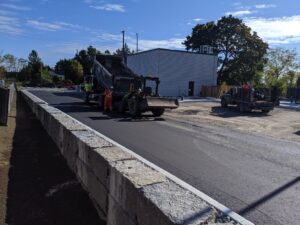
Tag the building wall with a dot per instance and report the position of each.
(175, 69)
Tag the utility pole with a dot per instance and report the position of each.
(137, 42)
(123, 48)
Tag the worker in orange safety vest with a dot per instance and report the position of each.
(107, 100)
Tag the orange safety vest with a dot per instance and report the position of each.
(108, 100)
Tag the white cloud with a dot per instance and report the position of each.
(110, 37)
(110, 7)
(114, 40)
(44, 26)
(56, 26)
(10, 25)
(265, 6)
(16, 7)
(69, 25)
(172, 43)
(241, 13)
(282, 30)
(6, 12)
(197, 19)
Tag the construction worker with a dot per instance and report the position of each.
(87, 85)
(108, 100)
(246, 90)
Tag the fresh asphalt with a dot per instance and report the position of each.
(256, 176)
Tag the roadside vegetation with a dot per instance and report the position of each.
(243, 57)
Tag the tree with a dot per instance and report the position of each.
(36, 66)
(71, 68)
(202, 34)
(240, 51)
(127, 51)
(9, 61)
(25, 74)
(2, 72)
(281, 68)
(85, 57)
(21, 63)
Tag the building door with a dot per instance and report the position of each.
(191, 88)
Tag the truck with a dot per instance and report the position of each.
(130, 92)
(246, 101)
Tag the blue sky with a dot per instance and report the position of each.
(57, 28)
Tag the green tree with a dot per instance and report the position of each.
(46, 77)
(127, 51)
(240, 51)
(9, 61)
(202, 34)
(25, 74)
(2, 72)
(36, 66)
(71, 68)
(281, 68)
(21, 63)
(85, 57)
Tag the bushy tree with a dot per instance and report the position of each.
(36, 65)
(85, 58)
(282, 68)
(25, 74)
(71, 69)
(240, 51)
(10, 62)
(2, 72)
(127, 51)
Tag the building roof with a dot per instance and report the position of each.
(170, 50)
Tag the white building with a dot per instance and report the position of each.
(181, 73)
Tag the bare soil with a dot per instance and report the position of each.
(36, 186)
(279, 123)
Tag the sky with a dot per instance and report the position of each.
(56, 29)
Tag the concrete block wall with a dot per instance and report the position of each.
(124, 190)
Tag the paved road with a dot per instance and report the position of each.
(258, 177)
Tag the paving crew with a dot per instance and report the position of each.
(108, 100)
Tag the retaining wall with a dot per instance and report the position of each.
(6, 97)
(124, 190)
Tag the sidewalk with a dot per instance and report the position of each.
(36, 185)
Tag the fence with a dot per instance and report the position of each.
(293, 94)
(214, 91)
(6, 97)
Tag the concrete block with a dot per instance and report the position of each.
(101, 160)
(169, 200)
(47, 112)
(90, 182)
(116, 214)
(87, 141)
(44, 111)
(60, 125)
(71, 158)
(126, 179)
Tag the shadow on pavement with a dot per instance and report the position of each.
(233, 112)
(79, 107)
(297, 132)
(268, 197)
(73, 94)
(41, 188)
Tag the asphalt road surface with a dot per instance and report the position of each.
(256, 176)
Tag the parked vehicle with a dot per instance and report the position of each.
(247, 99)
